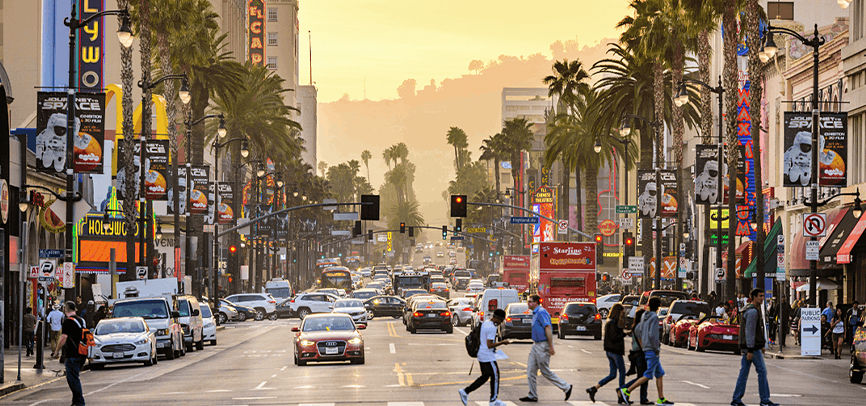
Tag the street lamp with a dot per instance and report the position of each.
(597, 146)
(815, 42)
(245, 149)
(625, 142)
(221, 131)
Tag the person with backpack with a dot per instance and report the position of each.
(485, 350)
(542, 350)
(71, 340)
(648, 332)
(752, 343)
(614, 348)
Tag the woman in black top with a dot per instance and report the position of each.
(614, 348)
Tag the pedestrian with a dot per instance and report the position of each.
(638, 361)
(71, 337)
(55, 323)
(487, 359)
(648, 333)
(79, 305)
(29, 327)
(772, 314)
(795, 320)
(852, 320)
(614, 348)
(828, 311)
(837, 327)
(720, 310)
(713, 297)
(100, 314)
(89, 313)
(826, 342)
(542, 350)
(752, 344)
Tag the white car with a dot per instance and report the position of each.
(605, 302)
(365, 272)
(123, 340)
(208, 332)
(264, 304)
(440, 254)
(305, 304)
(475, 287)
(354, 308)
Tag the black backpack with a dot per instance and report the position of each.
(473, 342)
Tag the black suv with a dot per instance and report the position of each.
(580, 318)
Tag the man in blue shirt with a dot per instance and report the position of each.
(542, 349)
(828, 311)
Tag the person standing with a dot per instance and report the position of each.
(752, 344)
(614, 348)
(29, 327)
(828, 311)
(649, 339)
(852, 320)
(487, 359)
(542, 350)
(69, 340)
(55, 323)
(837, 327)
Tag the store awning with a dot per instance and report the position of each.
(820, 284)
(844, 255)
(839, 230)
(796, 260)
(771, 243)
(745, 252)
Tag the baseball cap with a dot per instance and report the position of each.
(499, 313)
(90, 302)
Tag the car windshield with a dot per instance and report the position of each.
(692, 308)
(148, 309)
(439, 285)
(577, 308)
(280, 292)
(119, 326)
(183, 308)
(366, 294)
(205, 311)
(328, 324)
(348, 303)
(518, 308)
(430, 304)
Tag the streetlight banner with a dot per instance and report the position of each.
(121, 167)
(89, 132)
(670, 193)
(833, 143)
(199, 187)
(709, 172)
(647, 194)
(181, 182)
(210, 215)
(281, 226)
(225, 202)
(91, 46)
(155, 183)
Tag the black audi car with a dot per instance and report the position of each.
(430, 314)
(518, 322)
(580, 318)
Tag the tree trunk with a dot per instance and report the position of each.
(704, 54)
(578, 189)
(592, 200)
(566, 189)
(729, 73)
(677, 127)
(645, 163)
(756, 73)
(496, 173)
(147, 209)
(129, 197)
(659, 113)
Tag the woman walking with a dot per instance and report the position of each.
(837, 326)
(614, 347)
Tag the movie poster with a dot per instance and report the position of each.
(709, 172)
(832, 152)
(210, 215)
(670, 204)
(156, 180)
(182, 185)
(647, 203)
(225, 203)
(199, 188)
(88, 130)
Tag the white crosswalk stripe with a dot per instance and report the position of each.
(585, 403)
(316, 404)
(486, 403)
(405, 403)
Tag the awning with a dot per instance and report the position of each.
(771, 244)
(837, 233)
(796, 260)
(844, 255)
(821, 284)
(744, 254)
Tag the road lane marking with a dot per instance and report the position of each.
(115, 383)
(803, 373)
(523, 376)
(460, 330)
(219, 390)
(41, 401)
(259, 398)
(262, 386)
(305, 387)
(586, 403)
(284, 367)
(274, 376)
(697, 384)
(353, 386)
(585, 351)
(392, 348)
(405, 403)
(399, 374)
(316, 404)
(519, 363)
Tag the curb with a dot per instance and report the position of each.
(220, 328)
(9, 388)
(775, 355)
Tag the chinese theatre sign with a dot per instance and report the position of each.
(256, 31)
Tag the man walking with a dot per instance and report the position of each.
(649, 339)
(542, 350)
(853, 320)
(487, 359)
(828, 311)
(55, 322)
(69, 340)
(752, 343)
(29, 326)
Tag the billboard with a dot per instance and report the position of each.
(199, 185)
(709, 173)
(567, 256)
(647, 203)
(88, 130)
(225, 202)
(544, 203)
(210, 215)
(670, 205)
(832, 153)
(156, 180)
(182, 185)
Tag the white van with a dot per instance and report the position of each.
(492, 299)
(279, 289)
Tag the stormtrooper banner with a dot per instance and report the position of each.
(199, 178)
(181, 182)
(281, 226)
(647, 204)
(832, 152)
(88, 131)
(225, 194)
(709, 171)
(155, 183)
(210, 216)
(670, 204)
(121, 168)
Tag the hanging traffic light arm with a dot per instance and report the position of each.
(397, 231)
(528, 211)
(306, 206)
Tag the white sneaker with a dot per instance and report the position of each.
(497, 402)
(464, 397)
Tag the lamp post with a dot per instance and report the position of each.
(625, 142)
(221, 133)
(681, 99)
(770, 50)
(656, 125)
(124, 35)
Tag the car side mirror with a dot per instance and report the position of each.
(362, 327)
(175, 314)
(195, 312)
(295, 329)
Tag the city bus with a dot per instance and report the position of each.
(562, 272)
(515, 271)
(337, 277)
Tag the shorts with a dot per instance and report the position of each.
(653, 366)
(837, 336)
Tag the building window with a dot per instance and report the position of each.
(272, 62)
(780, 10)
(272, 39)
(272, 14)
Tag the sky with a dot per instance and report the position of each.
(369, 47)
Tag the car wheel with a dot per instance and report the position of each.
(395, 316)
(303, 312)
(698, 345)
(854, 373)
(223, 318)
(260, 314)
(155, 357)
(302, 363)
(200, 345)
(561, 335)
(242, 316)
(295, 359)
(149, 363)
(603, 313)
(213, 342)
(450, 330)
(273, 316)
(598, 336)
(182, 350)
(413, 330)
(170, 354)
(455, 321)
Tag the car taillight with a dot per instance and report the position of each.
(416, 314)
(468, 309)
(563, 318)
(597, 316)
(446, 289)
(447, 314)
(508, 319)
(481, 315)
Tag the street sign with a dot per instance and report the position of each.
(623, 209)
(141, 272)
(720, 274)
(382, 238)
(476, 230)
(68, 279)
(562, 227)
(810, 331)
(34, 272)
(684, 263)
(626, 278)
(814, 224)
(524, 220)
(49, 253)
(626, 223)
(329, 208)
(812, 250)
(635, 265)
(457, 238)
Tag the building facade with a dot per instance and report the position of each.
(308, 102)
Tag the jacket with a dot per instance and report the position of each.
(751, 329)
(614, 338)
(649, 332)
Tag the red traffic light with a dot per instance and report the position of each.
(459, 199)
(629, 241)
(233, 249)
(598, 238)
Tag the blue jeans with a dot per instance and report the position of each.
(616, 364)
(761, 369)
(29, 336)
(73, 368)
(654, 366)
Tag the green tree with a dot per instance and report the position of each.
(493, 148)
(517, 137)
(457, 138)
(366, 156)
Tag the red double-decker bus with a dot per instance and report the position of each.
(563, 272)
(515, 271)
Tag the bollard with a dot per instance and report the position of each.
(40, 344)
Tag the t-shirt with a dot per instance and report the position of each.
(488, 332)
(29, 322)
(540, 320)
(55, 318)
(72, 329)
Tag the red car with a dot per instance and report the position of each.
(679, 332)
(714, 333)
(328, 337)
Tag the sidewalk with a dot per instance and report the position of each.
(792, 351)
(30, 377)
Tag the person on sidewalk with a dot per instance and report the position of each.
(648, 332)
(487, 359)
(638, 362)
(29, 327)
(55, 323)
(829, 311)
(837, 327)
(614, 348)
(852, 318)
(69, 340)
(542, 350)
(752, 344)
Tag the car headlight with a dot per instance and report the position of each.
(355, 341)
(307, 343)
(209, 324)
(162, 332)
(141, 342)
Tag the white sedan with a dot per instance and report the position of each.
(208, 331)
(352, 307)
(123, 340)
(475, 287)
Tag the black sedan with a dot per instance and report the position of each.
(430, 314)
(244, 312)
(379, 306)
(284, 309)
(518, 322)
(580, 318)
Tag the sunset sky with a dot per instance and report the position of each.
(387, 41)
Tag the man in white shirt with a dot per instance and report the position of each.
(487, 360)
(55, 323)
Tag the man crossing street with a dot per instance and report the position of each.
(752, 343)
(542, 350)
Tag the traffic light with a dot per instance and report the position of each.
(458, 205)
(599, 249)
(458, 226)
(370, 211)
(444, 232)
(402, 228)
(369, 235)
(233, 249)
(411, 232)
(357, 230)
(628, 248)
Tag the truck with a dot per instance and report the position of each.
(415, 281)
(515, 271)
(563, 272)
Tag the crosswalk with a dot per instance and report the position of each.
(484, 403)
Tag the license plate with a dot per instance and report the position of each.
(431, 315)
(118, 355)
(332, 351)
(727, 337)
(160, 345)
(527, 321)
(581, 328)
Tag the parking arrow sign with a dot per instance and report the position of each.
(812, 329)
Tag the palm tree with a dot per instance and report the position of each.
(517, 137)
(754, 15)
(129, 201)
(406, 211)
(729, 78)
(401, 152)
(366, 156)
(457, 138)
(388, 156)
(492, 148)
(323, 167)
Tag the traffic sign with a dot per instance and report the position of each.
(814, 224)
(50, 253)
(635, 265)
(382, 238)
(720, 274)
(563, 227)
(625, 274)
(524, 220)
(34, 272)
(476, 230)
(623, 209)
(68, 277)
(812, 250)
(626, 223)
(457, 238)
(141, 272)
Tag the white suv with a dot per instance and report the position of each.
(264, 303)
(316, 302)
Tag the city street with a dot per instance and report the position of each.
(253, 365)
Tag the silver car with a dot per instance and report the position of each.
(461, 311)
(123, 340)
(352, 307)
